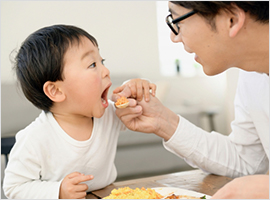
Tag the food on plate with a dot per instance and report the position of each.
(173, 196)
(122, 102)
(128, 193)
(148, 193)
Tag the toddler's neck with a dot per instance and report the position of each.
(79, 128)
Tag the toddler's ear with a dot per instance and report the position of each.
(52, 91)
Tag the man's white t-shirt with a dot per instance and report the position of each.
(44, 154)
(246, 150)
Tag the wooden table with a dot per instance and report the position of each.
(195, 180)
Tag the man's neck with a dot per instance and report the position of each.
(256, 48)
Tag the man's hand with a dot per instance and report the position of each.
(135, 88)
(247, 187)
(149, 117)
(72, 188)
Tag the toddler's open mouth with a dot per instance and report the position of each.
(104, 98)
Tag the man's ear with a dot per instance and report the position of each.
(237, 21)
(52, 90)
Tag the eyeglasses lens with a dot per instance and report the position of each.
(173, 26)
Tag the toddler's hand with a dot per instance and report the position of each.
(136, 88)
(72, 188)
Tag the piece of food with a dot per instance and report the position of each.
(122, 102)
(128, 193)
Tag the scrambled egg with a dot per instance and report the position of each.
(128, 193)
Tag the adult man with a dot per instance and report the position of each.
(222, 35)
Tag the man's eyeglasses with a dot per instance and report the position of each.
(173, 23)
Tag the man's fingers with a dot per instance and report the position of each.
(114, 97)
(118, 89)
(153, 87)
(129, 113)
(139, 91)
(132, 102)
(146, 91)
(132, 89)
(124, 92)
(131, 120)
(121, 91)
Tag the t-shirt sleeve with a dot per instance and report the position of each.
(22, 175)
(240, 153)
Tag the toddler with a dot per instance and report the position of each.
(70, 148)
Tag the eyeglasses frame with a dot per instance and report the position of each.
(174, 21)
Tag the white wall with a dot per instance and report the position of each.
(125, 30)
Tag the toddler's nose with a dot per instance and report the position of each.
(106, 71)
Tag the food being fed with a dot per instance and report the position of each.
(122, 102)
(128, 193)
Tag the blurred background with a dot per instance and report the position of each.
(134, 39)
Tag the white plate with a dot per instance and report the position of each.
(166, 191)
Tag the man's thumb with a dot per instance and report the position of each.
(114, 97)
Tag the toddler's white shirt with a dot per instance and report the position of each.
(246, 150)
(44, 154)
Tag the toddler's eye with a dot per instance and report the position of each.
(92, 65)
(102, 61)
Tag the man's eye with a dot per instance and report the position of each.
(92, 65)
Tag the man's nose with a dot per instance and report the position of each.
(175, 38)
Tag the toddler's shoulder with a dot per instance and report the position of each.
(36, 129)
